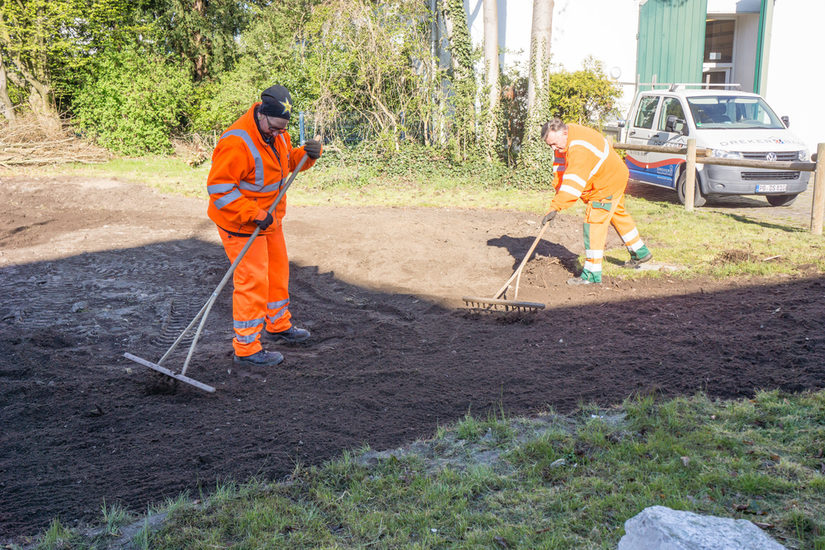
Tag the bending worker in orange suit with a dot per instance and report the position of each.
(590, 169)
(251, 162)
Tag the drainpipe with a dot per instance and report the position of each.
(763, 47)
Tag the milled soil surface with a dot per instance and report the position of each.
(90, 269)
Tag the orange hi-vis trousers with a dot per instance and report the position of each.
(261, 295)
(597, 219)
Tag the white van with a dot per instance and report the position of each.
(732, 124)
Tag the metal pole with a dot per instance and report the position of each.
(690, 174)
(818, 205)
(301, 127)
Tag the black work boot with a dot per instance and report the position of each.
(260, 359)
(633, 262)
(292, 335)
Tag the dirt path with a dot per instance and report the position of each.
(90, 269)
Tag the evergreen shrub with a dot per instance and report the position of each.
(133, 102)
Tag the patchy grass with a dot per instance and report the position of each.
(547, 482)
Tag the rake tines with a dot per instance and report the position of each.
(494, 305)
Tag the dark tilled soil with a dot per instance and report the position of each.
(90, 269)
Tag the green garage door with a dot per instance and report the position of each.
(671, 40)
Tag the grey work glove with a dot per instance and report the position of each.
(549, 217)
(313, 148)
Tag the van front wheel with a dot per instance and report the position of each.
(780, 200)
(698, 198)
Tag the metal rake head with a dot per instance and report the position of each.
(494, 305)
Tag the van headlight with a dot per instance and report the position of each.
(803, 156)
(722, 154)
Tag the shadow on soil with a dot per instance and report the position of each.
(82, 424)
(517, 247)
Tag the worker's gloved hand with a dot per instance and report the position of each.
(548, 217)
(313, 148)
(264, 219)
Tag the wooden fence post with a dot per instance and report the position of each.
(818, 205)
(690, 174)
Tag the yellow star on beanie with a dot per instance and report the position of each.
(287, 106)
(276, 102)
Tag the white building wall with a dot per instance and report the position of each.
(744, 52)
(795, 84)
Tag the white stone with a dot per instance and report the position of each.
(660, 528)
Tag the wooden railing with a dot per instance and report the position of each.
(694, 155)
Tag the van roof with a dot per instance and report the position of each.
(699, 93)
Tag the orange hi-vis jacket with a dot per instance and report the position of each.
(247, 174)
(589, 169)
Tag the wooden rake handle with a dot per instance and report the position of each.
(517, 272)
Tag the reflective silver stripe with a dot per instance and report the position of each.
(575, 178)
(266, 189)
(594, 254)
(276, 305)
(248, 324)
(273, 318)
(220, 188)
(592, 267)
(587, 145)
(259, 162)
(570, 189)
(630, 235)
(602, 159)
(636, 246)
(226, 199)
(601, 155)
(244, 339)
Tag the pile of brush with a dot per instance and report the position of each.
(32, 140)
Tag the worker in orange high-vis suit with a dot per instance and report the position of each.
(250, 164)
(588, 168)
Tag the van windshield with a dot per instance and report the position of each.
(732, 112)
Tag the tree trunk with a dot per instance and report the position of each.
(5, 101)
(41, 101)
(540, 34)
(464, 81)
(491, 68)
(198, 41)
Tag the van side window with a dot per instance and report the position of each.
(671, 106)
(647, 110)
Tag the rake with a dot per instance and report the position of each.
(497, 303)
(207, 307)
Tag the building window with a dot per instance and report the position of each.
(719, 40)
(718, 62)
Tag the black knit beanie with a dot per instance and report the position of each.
(276, 102)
